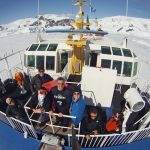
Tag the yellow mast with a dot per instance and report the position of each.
(78, 44)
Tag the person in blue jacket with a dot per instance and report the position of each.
(77, 107)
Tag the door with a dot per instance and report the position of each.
(64, 60)
(93, 62)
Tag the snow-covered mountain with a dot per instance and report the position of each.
(117, 24)
(127, 25)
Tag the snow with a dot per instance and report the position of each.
(57, 17)
(138, 27)
(16, 36)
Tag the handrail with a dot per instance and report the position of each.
(48, 124)
(10, 70)
(80, 83)
(67, 116)
(109, 140)
(18, 124)
(11, 55)
(114, 134)
(103, 140)
(141, 82)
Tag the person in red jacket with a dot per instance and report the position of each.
(114, 124)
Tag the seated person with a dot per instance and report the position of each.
(114, 124)
(39, 79)
(91, 124)
(61, 102)
(13, 109)
(40, 103)
(77, 107)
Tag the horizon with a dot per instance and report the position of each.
(69, 15)
(14, 10)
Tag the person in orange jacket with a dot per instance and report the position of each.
(114, 124)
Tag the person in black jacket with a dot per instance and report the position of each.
(39, 79)
(41, 103)
(13, 109)
(91, 124)
(61, 101)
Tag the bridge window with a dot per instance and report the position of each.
(135, 68)
(127, 52)
(50, 63)
(33, 47)
(116, 51)
(42, 47)
(127, 69)
(105, 63)
(52, 47)
(106, 50)
(31, 61)
(117, 65)
(39, 62)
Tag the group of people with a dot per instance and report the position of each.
(61, 100)
(58, 100)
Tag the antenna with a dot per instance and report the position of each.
(125, 42)
(38, 28)
(38, 13)
(90, 5)
(72, 2)
(127, 7)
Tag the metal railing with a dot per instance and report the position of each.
(18, 125)
(141, 83)
(107, 140)
(4, 119)
(50, 123)
(111, 139)
(10, 70)
(85, 92)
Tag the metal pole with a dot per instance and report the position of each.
(127, 7)
(21, 61)
(52, 124)
(7, 64)
(38, 13)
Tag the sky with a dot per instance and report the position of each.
(11, 10)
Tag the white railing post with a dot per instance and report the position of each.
(133, 137)
(104, 140)
(79, 130)
(52, 124)
(127, 114)
(69, 140)
(10, 121)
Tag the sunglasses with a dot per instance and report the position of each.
(76, 93)
(60, 83)
(93, 116)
